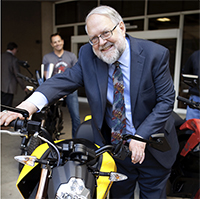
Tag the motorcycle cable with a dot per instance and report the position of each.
(48, 142)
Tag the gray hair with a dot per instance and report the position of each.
(106, 11)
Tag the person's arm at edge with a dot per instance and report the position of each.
(31, 105)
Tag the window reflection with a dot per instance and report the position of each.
(172, 22)
(66, 34)
(73, 11)
(134, 25)
(163, 6)
(191, 42)
(81, 30)
(171, 45)
(126, 8)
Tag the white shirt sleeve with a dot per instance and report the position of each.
(38, 99)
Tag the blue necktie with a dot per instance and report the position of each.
(118, 111)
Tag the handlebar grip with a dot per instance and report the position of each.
(184, 100)
(191, 104)
(17, 124)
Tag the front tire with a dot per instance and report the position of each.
(33, 143)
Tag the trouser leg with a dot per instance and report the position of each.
(73, 107)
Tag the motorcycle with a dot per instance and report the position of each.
(185, 175)
(51, 117)
(72, 168)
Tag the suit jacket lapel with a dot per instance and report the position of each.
(137, 65)
(102, 79)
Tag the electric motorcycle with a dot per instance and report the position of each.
(185, 177)
(73, 168)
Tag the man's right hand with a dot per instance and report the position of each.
(7, 116)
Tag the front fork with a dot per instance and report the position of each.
(42, 187)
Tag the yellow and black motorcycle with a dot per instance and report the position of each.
(72, 168)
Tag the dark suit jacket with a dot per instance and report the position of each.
(151, 87)
(9, 70)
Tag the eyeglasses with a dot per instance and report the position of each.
(105, 35)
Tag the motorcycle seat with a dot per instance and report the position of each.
(85, 131)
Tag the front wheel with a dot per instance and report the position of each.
(32, 144)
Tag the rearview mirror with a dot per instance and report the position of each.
(158, 141)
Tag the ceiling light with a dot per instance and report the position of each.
(164, 19)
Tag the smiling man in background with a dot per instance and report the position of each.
(62, 59)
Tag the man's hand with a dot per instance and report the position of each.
(137, 148)
(7, 116)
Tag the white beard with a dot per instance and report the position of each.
(115, 53)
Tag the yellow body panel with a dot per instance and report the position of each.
(88, 117)
(103, 182)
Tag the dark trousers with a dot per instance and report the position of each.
(150, 175)
(6, 99)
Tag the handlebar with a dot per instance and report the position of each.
(23, 64)
(190, 103)
(30, 127)
(25, 125)
(28, 79)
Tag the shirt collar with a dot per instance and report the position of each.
(9, 51)
(125, 57)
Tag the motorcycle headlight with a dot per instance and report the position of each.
(74, 189)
